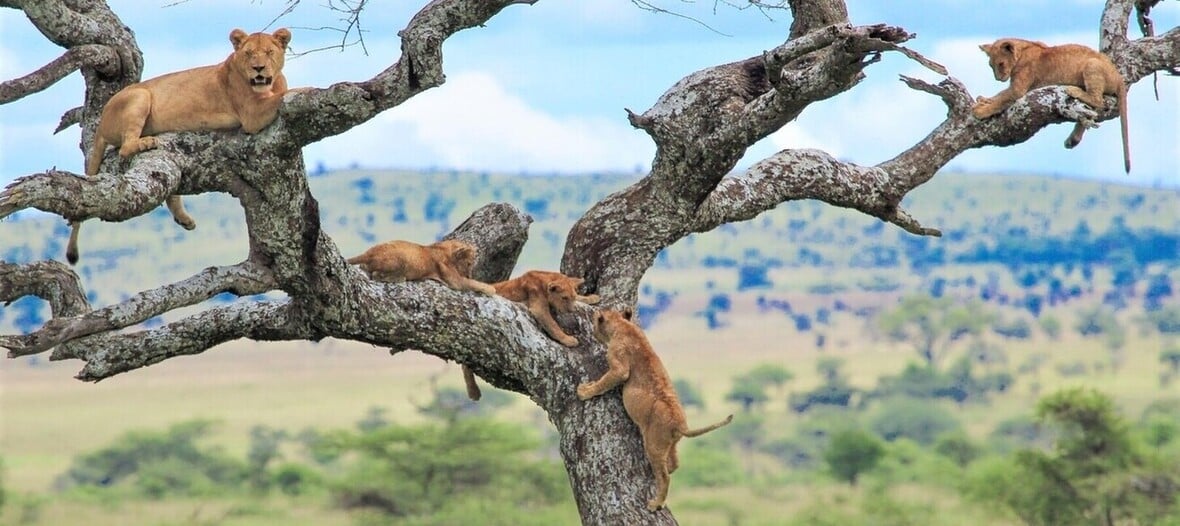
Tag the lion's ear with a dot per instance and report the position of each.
(628, 313)
(986, 48)
(236, 37)
(283, 35)
(554, 286)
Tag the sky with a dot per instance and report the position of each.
(542, 89)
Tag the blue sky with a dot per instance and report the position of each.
(542, 88)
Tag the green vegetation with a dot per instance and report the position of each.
(852, 452)
(814, 320)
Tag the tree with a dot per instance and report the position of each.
(701, 127)
(932, 324)
(852, 452)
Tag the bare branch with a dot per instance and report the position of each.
(806, 174)
(100, 57)
(418, 69)
(111, 354)
(51, 281)
(243, 279)
(71, 117)
(152, 176)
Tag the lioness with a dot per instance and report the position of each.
(242, 92)
(448, 261)
(1031, 65)
(648, 395)
(541, 291)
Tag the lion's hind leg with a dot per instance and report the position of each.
(657, 444)
(1094, 81)
(130, 115)
(179, 214)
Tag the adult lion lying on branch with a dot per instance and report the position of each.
(243, 92)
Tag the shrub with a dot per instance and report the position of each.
(852, 452)
(917, 420)
(160, 463)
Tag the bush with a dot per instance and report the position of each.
(295, 479)
(852, 452)
(917, 420)
(958, 447)
(160, 463)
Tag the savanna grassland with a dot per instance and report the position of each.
(929, 357)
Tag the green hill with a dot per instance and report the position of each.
(798, 246)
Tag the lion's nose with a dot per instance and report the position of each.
(259, 68)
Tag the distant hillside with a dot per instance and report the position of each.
(986, 220)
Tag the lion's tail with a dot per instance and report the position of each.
(93, 163)
(698, 432)
(72, 246)
(1123, 123)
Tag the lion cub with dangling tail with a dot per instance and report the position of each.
(648, 395)
(447, 261)
(243, 92)
(542, 292)
(1087, 75)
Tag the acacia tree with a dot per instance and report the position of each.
(701, 127)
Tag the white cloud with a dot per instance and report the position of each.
(471, 122)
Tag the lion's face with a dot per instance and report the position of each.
(562, 294)
(461, 255)
(1001, 56)
(259, 57)
(605, 320)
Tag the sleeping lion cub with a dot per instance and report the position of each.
(540, 291)
(242, 92)
(1087, 75)
(648, 395)
(448, 261)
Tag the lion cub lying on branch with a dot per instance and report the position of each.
(542, 292)
(648, 395)
(243, 92)
(1087, 75)
(448, 261)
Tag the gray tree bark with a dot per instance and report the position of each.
(702, 126)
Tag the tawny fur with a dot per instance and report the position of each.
(448, 261)
(1086, 73)
(243, 92)
(541, 291)
(648, 395)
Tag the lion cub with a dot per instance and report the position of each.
(540, 291)
(448, 261)
(243, 92)
(1087, 75)
(648, 395)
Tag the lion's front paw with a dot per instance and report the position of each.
(591, 299)
(654, 505)
(569, 341)
(983, 109)
(584, 392)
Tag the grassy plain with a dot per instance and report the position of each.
(47, 418)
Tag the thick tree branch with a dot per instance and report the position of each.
(102, 58)
(151, 177)
(51, 281)
(807, 174)
(331, 111)
(110, 354)
(243, 279)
